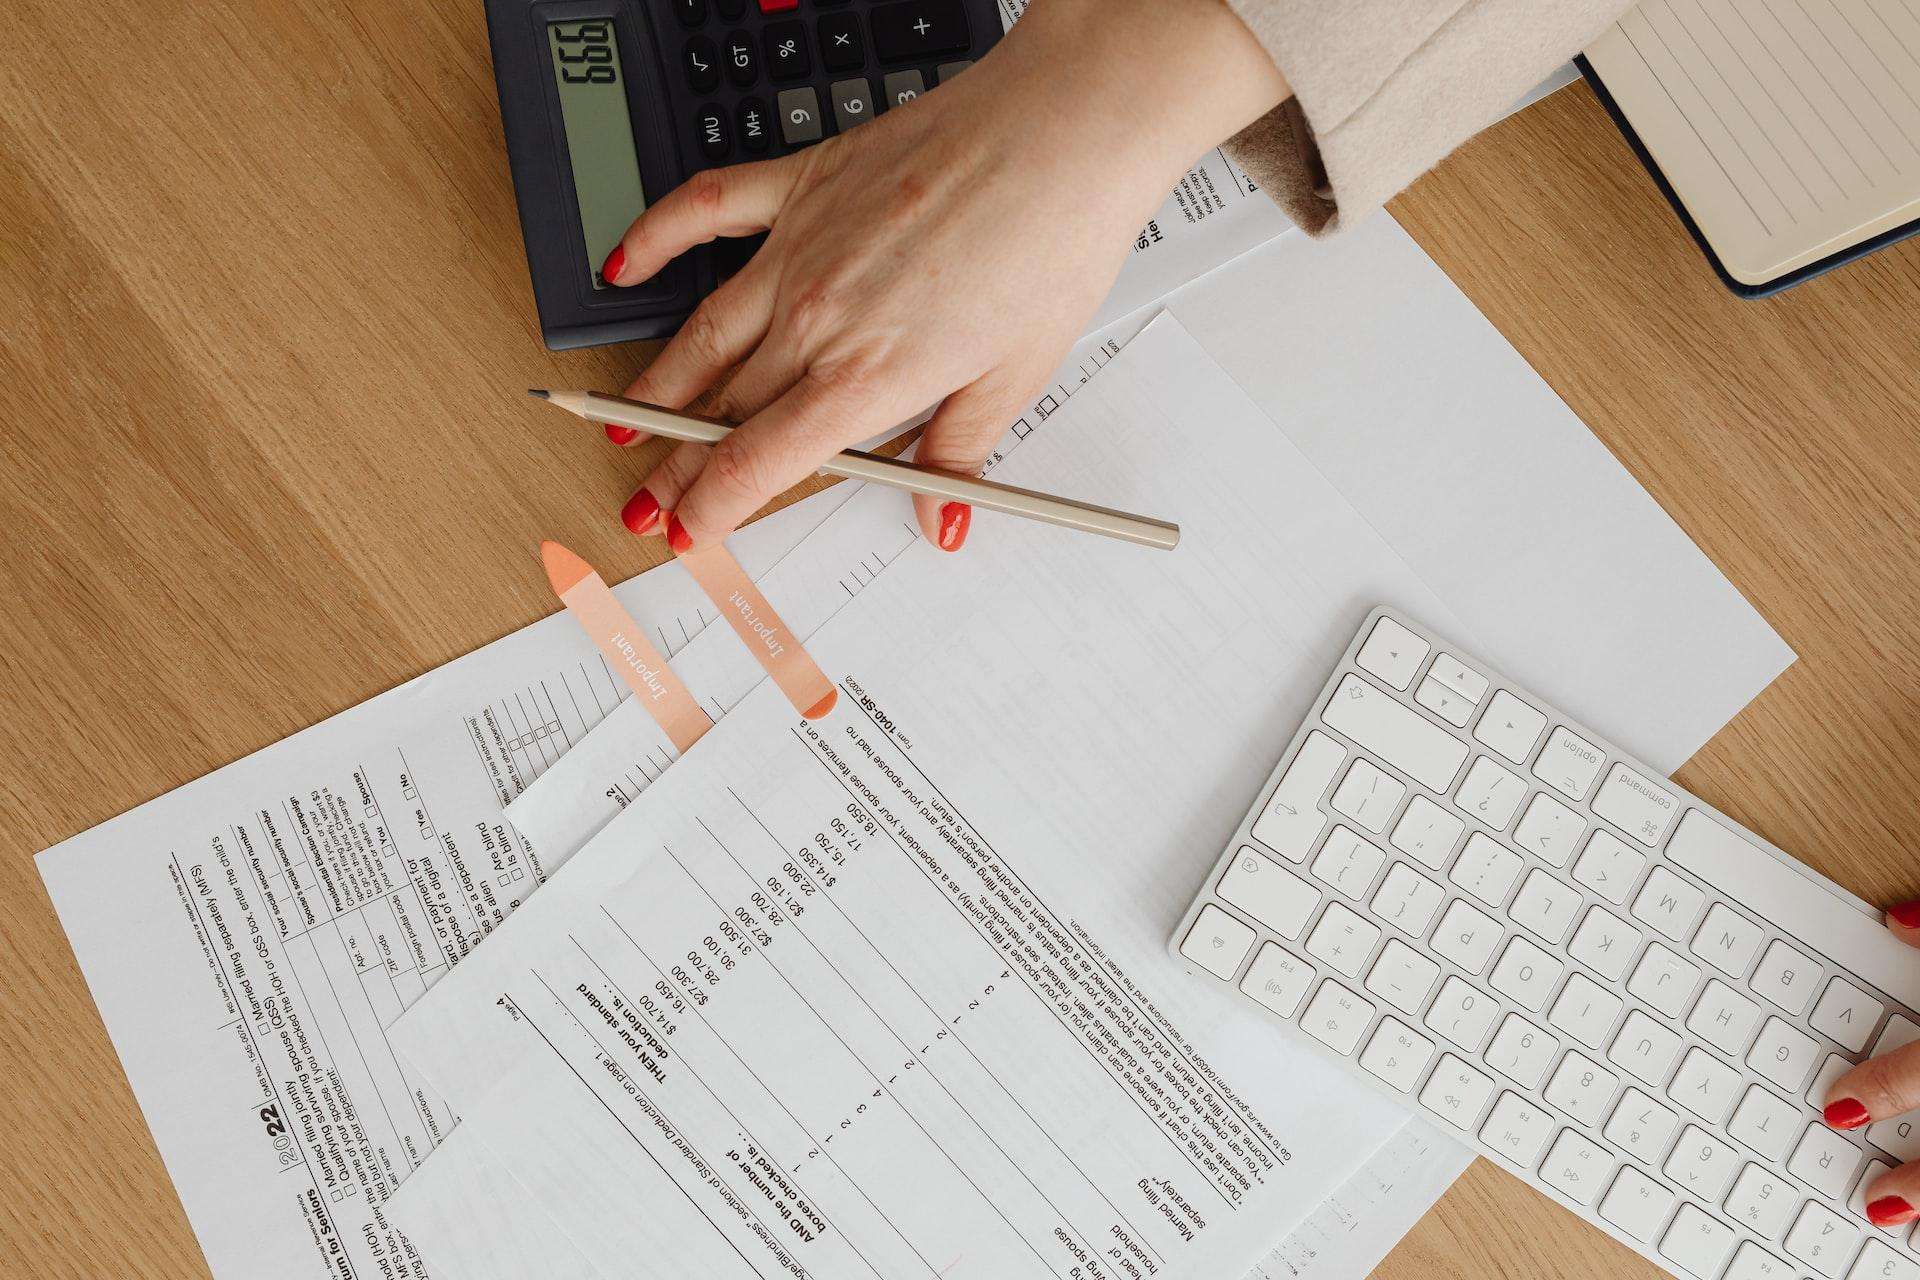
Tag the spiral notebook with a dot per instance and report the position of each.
(1786, 133)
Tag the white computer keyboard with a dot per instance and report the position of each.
(1583, 971)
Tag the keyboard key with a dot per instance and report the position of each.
(1462, 1013)
(1669, 903)
(1663, 980)
(751, 123)
(1705, 1086)
(1291, 821)
(1641, 1127)
(1217, 942)
(1701, 1163)
(1348, 863)
(898, 88)
(1637, 1205)
(1585, 1011)
(1278, 979)
(1786, 977)
(1408, 900)
(1724, 1018)
(1397, 1054)
(716, 138)
(1343, 938)
(1526, 974)
(1404, 739)
(800, 123)
(1899, 1032)
(1402, 976)
(1751, 1262)
(1582, 1089)
(1459, 677)
(1392, 652)
(1728, 940)
(741, 57)
(1765, 1123)
(842, 47)
(1456, 1092)
(1605, 943)
(1269, 893)
(852, 103)
(1490, 794)
(1898, 1136)
(1569, 763)
(1510, 727)
(1697, 1243)
(1825, 1161)
(1545, 906)
(1336, 1017)
(1635, 805)
(915, 30)
(1487, 869)
(1857, 1202)
(1517, 1130)
(1784, 1055)
(1521, 1051)
(1832, 1069)
(1549, 830)
(1444, 702)
(1644, 1048)
(1426, 832)
(786, 48)
(1466, 936)
(1609, 866)
(1761, 1202)
(1576, 1167)
(1823, 1239)
(702, 63)
(1847, 1015)
(1878, 1261)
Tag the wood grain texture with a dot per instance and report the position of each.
(264, 323)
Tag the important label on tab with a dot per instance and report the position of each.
(773, 645)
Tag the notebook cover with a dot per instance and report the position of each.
(1770, 287)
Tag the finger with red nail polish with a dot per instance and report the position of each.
(677, 536)
(616, 263)
(1906, 916)
(1890, 1211)
(620, 435)
(1846, 1113)
(1890, 1199)
(641, 513)
(1883, 1086)
(955, 518)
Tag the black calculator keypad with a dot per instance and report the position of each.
(842, 46)
(703, 65)
(690, 12)
(786, 46)
(914, 30)
(754, 124)
(742, 59)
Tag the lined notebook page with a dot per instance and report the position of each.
(1789, 128)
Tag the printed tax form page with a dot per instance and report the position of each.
(887, 993)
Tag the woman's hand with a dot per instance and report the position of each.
(949, 252)
(1879, 1089)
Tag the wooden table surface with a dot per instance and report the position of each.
(264, 322)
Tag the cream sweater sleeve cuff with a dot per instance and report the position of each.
(1383, 89)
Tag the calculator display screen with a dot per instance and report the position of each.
(593, 107)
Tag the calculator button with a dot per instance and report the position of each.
(753, 125)
(716, 141)
(852, 103)
(948, 70)
(915, 29)
(703, 65)
(842, 47)
(731, 10)
(799, 116)
(690, 12)
(786, 45)
(901, 87)
(743, 60)
(778, 6)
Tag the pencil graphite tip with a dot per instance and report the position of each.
(539, 393)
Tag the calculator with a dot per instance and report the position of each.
(606, 103)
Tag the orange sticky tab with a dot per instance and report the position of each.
(625, 647)
(775, 647)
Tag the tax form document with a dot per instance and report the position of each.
(936, 1030)
(250, 936)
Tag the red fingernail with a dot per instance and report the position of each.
(641, 513)
(677, 535)
(621, 435)
(1906, 913)
(955, 517)
(615, 263)
(1846, 1113)
(1889, 1211)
